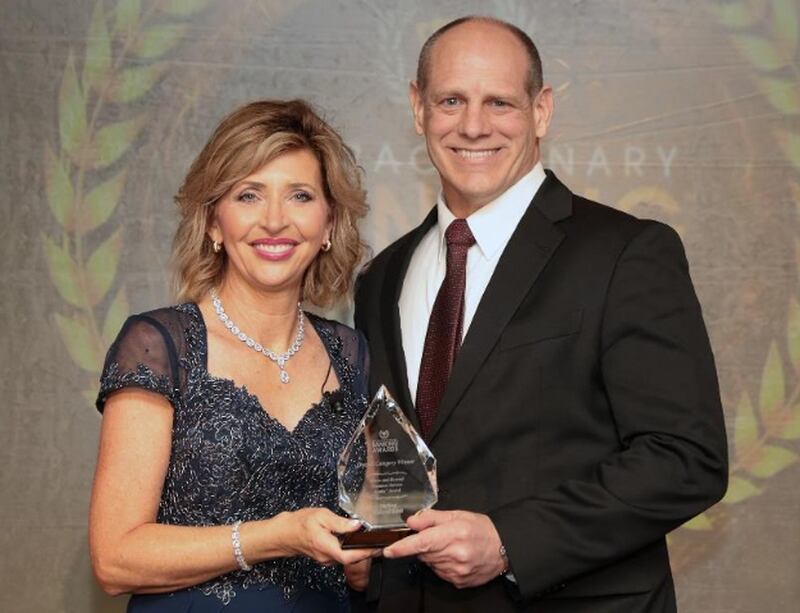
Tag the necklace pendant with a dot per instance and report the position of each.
(281, 359)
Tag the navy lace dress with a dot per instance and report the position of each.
(231, 461)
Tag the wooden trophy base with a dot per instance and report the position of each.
(373, 539)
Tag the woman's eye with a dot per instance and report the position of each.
(302, 196)
(247, 197)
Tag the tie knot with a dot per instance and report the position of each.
(458, 233)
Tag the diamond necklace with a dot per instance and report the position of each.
(279, 358)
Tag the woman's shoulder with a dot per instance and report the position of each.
(346, 333)
(346, 345)
(169, 323)
(171, 313)
(170, 318)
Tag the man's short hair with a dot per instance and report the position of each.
(534, 78)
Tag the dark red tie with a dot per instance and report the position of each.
(445, 326)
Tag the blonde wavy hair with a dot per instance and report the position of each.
(248, 138)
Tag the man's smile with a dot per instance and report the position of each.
(475, 154)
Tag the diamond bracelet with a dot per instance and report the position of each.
(237, 547)
(504, 557)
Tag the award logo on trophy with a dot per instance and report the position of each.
(386, 473)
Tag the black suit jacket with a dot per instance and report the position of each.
(582, 413)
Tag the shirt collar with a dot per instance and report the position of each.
(493, 224)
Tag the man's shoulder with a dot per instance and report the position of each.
(600, 231)
(602, 228)
(591, 218)
(559, 203)
(597, 212)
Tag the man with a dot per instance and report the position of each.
(579, 420)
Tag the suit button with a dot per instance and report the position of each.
(413, 570)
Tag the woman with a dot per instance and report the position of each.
(216, 475)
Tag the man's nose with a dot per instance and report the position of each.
(475, 122)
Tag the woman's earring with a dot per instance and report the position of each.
(217, 247)
(326, 245)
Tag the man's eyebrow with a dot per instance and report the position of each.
(445, 91)
(488, 95)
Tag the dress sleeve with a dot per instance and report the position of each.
(142, 356)
(362, 364)
(356, 352)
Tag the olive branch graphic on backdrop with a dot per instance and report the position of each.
(85, 177)
(765, 431)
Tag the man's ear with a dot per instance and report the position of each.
(417, 107)
(543, 111)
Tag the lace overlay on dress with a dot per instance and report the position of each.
(230, 460)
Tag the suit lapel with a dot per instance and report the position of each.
(390, 311)
(531, 245)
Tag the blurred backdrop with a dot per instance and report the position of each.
(683, 111)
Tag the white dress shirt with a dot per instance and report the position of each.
(492, 226)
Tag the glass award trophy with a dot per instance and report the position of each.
(386, 473)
